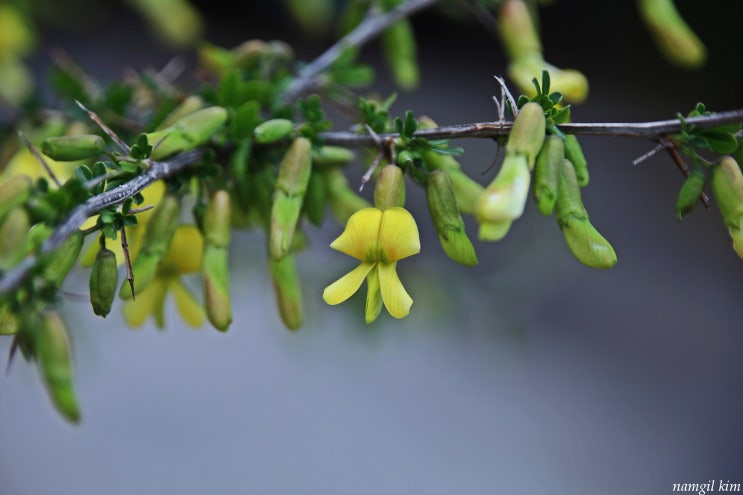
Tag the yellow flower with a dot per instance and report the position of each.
(184, 256)
(378, 239)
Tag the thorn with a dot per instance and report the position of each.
(39, 157)
(134, 211)
(114, 137)
(127, 261)
(647, 155)
(370, 171)
(506, 95)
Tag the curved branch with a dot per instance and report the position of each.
(649, 130)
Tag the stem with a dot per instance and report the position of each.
(367, 30)
(648, 130)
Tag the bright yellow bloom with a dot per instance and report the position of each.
(378, 238)
(184, 256)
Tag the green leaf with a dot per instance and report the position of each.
(720, 142)
(83, 173)
(411, 125)
(545, 83)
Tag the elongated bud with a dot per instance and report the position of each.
(288, 291)
(389, 189)
(174, 21)
(332, 156)
(314, 17)
(53, 356)
(14, 192)
(188, 106)
(157, 238)
(104, 279)
(315, 198)
(585, 242)
(574, 153)
(547, 174)
(572, 84)
(214, 264)
(517, 30)
(504, 199)
(13, 238)
(62, 260)
(690, 193)
(727, 187)
(273, 130)
(446, 219)
(344, 201)
(70, 148)
(674, 38)
(291, 184)
(188, 132)
(466, 190)
(527, 135)
(398, 42)
(493, 231)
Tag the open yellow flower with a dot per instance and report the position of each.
(184, 256)
(378, 238)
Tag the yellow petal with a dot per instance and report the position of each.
(398, 235)
(373, 296)
(152, 195)
(189, 308)
(137, 311)
(360, 237)
(184, 254)
(396, 299)
(347, 285)
(25, 163)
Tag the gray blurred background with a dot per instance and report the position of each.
(529, 373)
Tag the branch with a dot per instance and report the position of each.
(367, 30)
(649, 130)
(12, 279)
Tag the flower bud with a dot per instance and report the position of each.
(214, 264)
(314, 17)
(398, 42)
(449, 225)
(493, 231)
(504, 199)
(104, 279)
(61, 261)
(187, 133)
(571, 83)
(288, 291)
(291, 185)
(188, 106)
(13, 238)
(517, 30)
(727, 187)
(527, 135)
(389, 190)
(53, 357)
(315, 198)
(690, 193)
(344, 201)
(574, 153)
(547, 174)
(273, 130)
(332, 156)
(71, 148)
(585, 242)
(674, 38)
(14, 192)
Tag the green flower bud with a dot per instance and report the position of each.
(291, 184)
(674, 38)
(53, 357)
(273, 130)
(446, 219)
(389, 190)
(288, 291)
(343, 200)
(104, 278)
(187, 133)
(249, 53)
(727, 187)
(188, 106)
(398, 42)
(157, 238)
(547, 174)
(315, 198)
(527, 135)
(314, 17)
(214, 265)
(517, 30)
(494, 231)
(574, 153)
(174, 21)
(690, 193)
(504, 199)
(13, 238)
(61, 261)
(405, 158)
(332, 156)
(585, 242)
(71, 148)
(14, 192)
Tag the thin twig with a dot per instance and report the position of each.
(367, 30)
(127, 261)
(40, 158)
(114, 137)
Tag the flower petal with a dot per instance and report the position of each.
(373, 296)
(184, 253)
(188, 307)
(396, 299)
(360, 237)
(136, 311)
(398, 235)
(347, 285)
